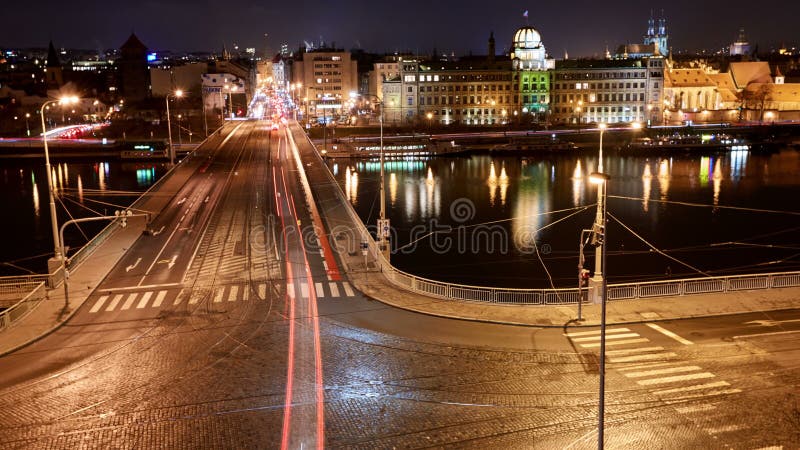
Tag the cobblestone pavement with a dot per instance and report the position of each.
(202, 373)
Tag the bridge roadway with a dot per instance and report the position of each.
(233, 326)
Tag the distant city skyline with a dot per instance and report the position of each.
(462, 27)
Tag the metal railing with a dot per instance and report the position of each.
(24, 306)
(507, 296)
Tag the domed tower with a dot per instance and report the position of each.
(530, 63)
(527, 51)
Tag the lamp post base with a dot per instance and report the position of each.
(595, 290)
(55, 272)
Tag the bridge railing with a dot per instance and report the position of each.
(35, 296)
(508, 296)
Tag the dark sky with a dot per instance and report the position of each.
(583, 27)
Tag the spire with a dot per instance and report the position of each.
(52, 56)
(491, 46)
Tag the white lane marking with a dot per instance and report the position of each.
(160, 230)
(613, 336)
(303, 290)
(597, 332)
(668, 333)
(714, 393)
(648, 365)
(334, 289)
(696, 387)
(144, 300)
(99, 304)
(114, 302)
(648, 357)
(347, 289)
(667, 371)
(290, 290)
(218, 294)
(320, 292)
(725, 429)
(676, 378)
(172, 262)
(744, 336)
(695, 408)
(321, 253)
(613, 343)
(245, 293)
(159, 299)
(262, 291)
(194, 299)
(628, 351)
(179, 297)
(182, 201)
(129, 301)
(133, 266)
(233, 291)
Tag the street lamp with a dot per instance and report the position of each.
(383, 223)
(599, 222)
(430, 120)
(27, 124)
(56, 243)
(601, 180)
(178, 94)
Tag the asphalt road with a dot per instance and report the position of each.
(230, 328)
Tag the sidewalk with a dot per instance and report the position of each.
(375, 285)
(53, 311)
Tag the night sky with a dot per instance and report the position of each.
(582, 27)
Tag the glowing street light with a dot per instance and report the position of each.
(430, 121)
(178, 94)
(53, 219)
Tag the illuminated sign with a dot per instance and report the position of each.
(151, 57)
(329, 106)
(143, 147)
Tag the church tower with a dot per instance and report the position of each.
(657, 36)
(492, 51)
(54, 72)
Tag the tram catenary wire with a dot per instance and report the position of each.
(701, 205)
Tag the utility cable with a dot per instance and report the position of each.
(655, 249)
(700, 205)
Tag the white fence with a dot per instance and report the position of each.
(36, 294)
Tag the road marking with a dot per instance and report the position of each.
(172, 262)
(648, 357)
(677, 378)
(725, 429)
(613, 343)
(99, 304)
(596, 332)
(144, 300)
(218, 294)
(695, 408)
(114, 302)
(668, 370)
(194, 299)
(668, 333)
(776, 333)
(179, 298)
(714, 393)
(245, 293)
(647, 366)
(262, 291)
(139, 288)
(320, 292)
(129, 301)
(696, 387)
(232, 292)
(303, 290)
(290, 290)
(334, 289)
(347, 289)
(159, 299)
(133, 266)
(613, 336)
(634, 350)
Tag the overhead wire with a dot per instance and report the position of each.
(701, 205)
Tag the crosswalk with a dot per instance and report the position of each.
(241, 292)
(661, 371)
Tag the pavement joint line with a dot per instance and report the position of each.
(670, 334)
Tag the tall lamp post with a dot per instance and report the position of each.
(383, 222)
(178, 94)
(53, 219)
(601, 180)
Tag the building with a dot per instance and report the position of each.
(610, 91)
(328, 76)
(531, 65)
(223, 91)
(134, 75)
(740, 47)
(54, 72)
(655, 42)
(187, 77)
(386, 69)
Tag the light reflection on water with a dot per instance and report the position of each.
(519, 194)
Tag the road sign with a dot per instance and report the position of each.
(384, 230)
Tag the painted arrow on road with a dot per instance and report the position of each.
(156, 233)
(172, 263)
(770, 323)
(183, 200)
(133, 266)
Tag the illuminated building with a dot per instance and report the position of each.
(327, 76)
(609, 91)
(741, 47)
(655, 42)
(531, 65)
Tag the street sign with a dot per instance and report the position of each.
(384, 229)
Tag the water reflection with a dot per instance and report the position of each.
(533, 201)
(578, 184)
(492, 183)
(393, 188)
(80, 189)
(647, 186)
(664, 171)
(36, 206)
(738, 164)
(717, 181)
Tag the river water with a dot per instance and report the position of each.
(516, 222)
(86, 188)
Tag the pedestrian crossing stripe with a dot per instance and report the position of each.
(220, 294)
